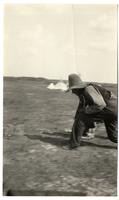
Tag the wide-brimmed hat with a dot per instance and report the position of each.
(75, 82)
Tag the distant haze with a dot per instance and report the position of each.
(53, 41)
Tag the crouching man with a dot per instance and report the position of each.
(95, 104)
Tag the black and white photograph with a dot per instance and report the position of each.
(60, 111)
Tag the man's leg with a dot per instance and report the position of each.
(112, 130)
(81, 125)
(110, 121)
(89, 130)
(78, 130)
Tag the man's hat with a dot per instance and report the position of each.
(75, 82)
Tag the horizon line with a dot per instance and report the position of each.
(54, 79)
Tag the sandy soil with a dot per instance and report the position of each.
(37, 123)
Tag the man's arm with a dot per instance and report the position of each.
(80, 106)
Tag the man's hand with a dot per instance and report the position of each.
(92, 109)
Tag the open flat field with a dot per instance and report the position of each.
(37, 123)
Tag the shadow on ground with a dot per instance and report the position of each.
(56, 138)
(61, 139)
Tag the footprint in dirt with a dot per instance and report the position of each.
(49, 147)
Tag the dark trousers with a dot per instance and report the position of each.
(83, 121)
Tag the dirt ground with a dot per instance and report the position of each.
(37, 124)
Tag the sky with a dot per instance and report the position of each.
(53, 41)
